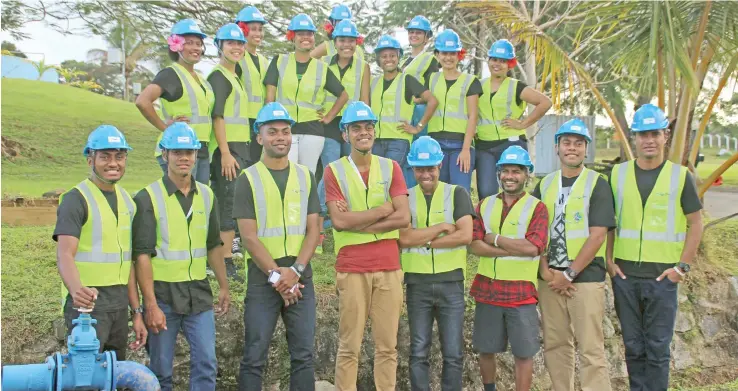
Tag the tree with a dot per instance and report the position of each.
(10, 47)
(105, 75)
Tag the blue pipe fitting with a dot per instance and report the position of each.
(82, 368)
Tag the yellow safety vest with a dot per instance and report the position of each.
(181, 248)
(195, 103)
(281, 226)
(351, 82)
(330, 48)
(452, 115)
(515, 226)
(657, 232)
(433, 261)
(302, 98)
(419, 65)
(359, 198)
(576, 214)
(253, 82)
(391, 108)
(504, 105)
(236, 113)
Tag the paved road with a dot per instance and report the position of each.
(721, 203)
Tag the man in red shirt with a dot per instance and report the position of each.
(367, 200)
(510, 233)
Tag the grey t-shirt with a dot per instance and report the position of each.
(600, 214)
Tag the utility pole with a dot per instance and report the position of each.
(123, 63)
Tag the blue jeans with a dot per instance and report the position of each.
(450, 171)
(262, 307)
(397, 150)
(332, 151)
(647, 311)
(201, 170)
(418, 112)
(199, 330)
(444, 303)
(486, 164)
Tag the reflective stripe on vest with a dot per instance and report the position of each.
(351, 84)
(418, 66)
(452, 114)
(194, 104)
(515, 226)
(359, 198)
(235, 114)
(502, 106)
(657, 232)
(252, 80)
(281, 226)
(576, 215)
(422, 259)
(391, 108)
(171, 252)
(309, 90)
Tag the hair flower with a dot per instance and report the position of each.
(176, 43)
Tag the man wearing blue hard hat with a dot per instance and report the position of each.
(392, 95)
(339, 13)
(659, 229)
(434, 262)
(572, 292)
(300, 84)
(277, 211)
(231, 131)
(367, 201)
(510, 234)
(93, 235)
(419, 63)
(176, 232)
(185, 95)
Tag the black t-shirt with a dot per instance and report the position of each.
(332, 86)
(70, 217)
(333, 131)
(601, 214)
(171, 86)
(413, 87)
(482, 144)
(187, 297)
(245, 209)
(462, 207)
(475, 88)
(432, 68)
(222, 89)
(690, 202)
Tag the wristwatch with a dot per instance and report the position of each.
(684, 266)
(138, 310)
(570, 274)
(298, 268)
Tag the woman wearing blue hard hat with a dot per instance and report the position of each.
(339, 13)
(419, 62)
(454, 123)
(231, 131)
(253, 66)
(301, 84)
(501, 110)
(184, 94)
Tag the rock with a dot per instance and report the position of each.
(713, 357)
(733, 287)
(710, 326)
(681, 297)
(323, 385)
(60, 329)
(684, 321)
(680, 354)
(616, 358)
(56, 193)
(710, 307)
(607, 328)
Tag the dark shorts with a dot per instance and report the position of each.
(224, 189)
(494, 326)
(111, 328)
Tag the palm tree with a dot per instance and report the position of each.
(41, 66)
(135, 49)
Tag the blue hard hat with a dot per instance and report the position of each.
(105, 137)
(250, 14)
(179, 135)
(272, 112)
(649, 117)
(573, 126)
(502, 49)
(229, 32)
(388, 42)
(448, 41)
(187, 26)
(346, 28)
(419, 23)
(340, 12)
(355, 112)
(425, 152)
(302, 22)
(515, 155)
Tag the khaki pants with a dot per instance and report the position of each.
(377, 296)
(566, 320)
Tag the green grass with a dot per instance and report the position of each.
(55, 120)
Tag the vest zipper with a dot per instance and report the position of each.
(640, 242)
(381, 108)
(189, 239)
(433, 256)
(445, 103)
(284, 224)
(366, 198)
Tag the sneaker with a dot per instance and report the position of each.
(236, 245)
(319, 249)
(209, 271)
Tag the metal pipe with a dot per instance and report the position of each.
(134, 376)
(31, 377)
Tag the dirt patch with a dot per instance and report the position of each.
(12, 150)
(21, 211)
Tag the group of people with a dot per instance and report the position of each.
(400, 208)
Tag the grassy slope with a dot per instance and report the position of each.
(56, 119)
